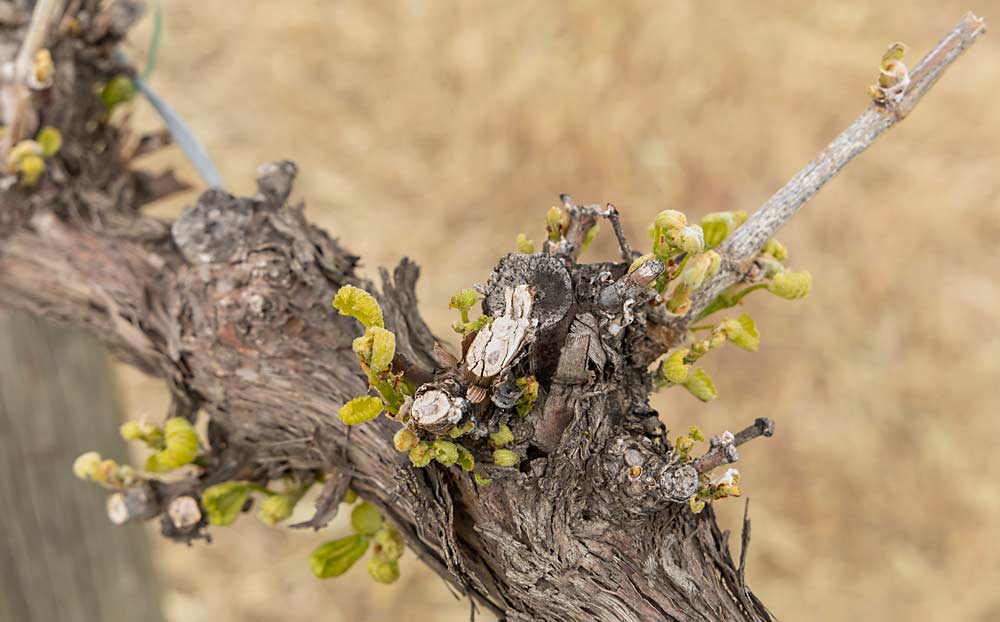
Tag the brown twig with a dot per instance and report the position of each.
(742, 246)
(723, 450)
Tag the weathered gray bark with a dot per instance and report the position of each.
(231, 306)
(60, 558)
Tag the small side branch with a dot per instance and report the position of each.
(742, 246)
(723, 448)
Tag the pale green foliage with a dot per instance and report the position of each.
(422, 454)
(719, 225)
(481, 481)
(529, 386)
(366, 519)
(465, 459)
(673, 368)
(50, 140)
(742, 332)
(180, 446)
(791, 285)
(360, 305)
(700, 385)
(336, 557)
(506, 458)
(445, 452)
(556, 223)
(360, 410)
(383, 349)
(224, 502)
(524, 245)
(502, 437)
(277, 508)
(405, 439)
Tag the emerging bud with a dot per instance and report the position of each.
(775, 249)
(690, 239)
(674, 368)
(422, 454)
(445, 452)
(276, 508)
(670, 220)
(86, 465)
(791, 285)
(366, 519)
(502, 437)
(506, 458)
(383, 571)
(524, 245)
(405, 439)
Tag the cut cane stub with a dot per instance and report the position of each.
(496, 346)
(184, 512)
(437, 411)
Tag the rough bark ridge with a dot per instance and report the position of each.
(230, 305)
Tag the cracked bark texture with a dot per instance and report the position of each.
(230, 305)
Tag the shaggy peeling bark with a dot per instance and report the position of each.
(230, 305)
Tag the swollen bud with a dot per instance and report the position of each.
(791, 285)
(524, 245)
(445, 452)
(502, 437)
(382, 570)
(366, 519)
(506, 458)
(276, 508)
(674, 368)
(670, 220)
(86, 465)
(775, 249)
(422, 454)
(696, 271)
(690, 239)
(405, 439)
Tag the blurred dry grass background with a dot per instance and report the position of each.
(439, 130)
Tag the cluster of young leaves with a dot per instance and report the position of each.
(676, 368)
(464, 301)
(371, 531)
(175, 445)
(557, 221)
(685, 443)
(224, 502)
(28, 156)
(688, 252)
(712, 490)
(375, 350)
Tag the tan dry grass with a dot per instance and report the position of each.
(439, 130)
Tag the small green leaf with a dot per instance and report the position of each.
(130, 431)
(695, 433)
(276, 508)
(390, 542)
(775, 249)
(224, 502)
(464, 300)
(86, 465)
(51, 141)
(405, 439)
(366, 519)
(524, 245)
(336, 557)
(383, 349)
(360, 410)
(118, 90)
(181, 448)
(742, 332)
(422, 454)
(670, 220)
(360, 305)
(383, 570)
(790, 285)
(445, 452)
(526, 402)
(700, 385)
(481, 481)
(465, 459)
(506, 458)
(502, 437)
(674, 368)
